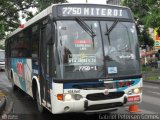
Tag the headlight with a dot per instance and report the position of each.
(68, 97)
(136, 91)
(77, 97)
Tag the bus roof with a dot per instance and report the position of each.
(48, 11)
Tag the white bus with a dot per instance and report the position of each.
(77, 58)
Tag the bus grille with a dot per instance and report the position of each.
(104, 106)
(102, 96)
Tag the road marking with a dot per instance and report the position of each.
(150, 100)
(142, 111)
(152, 87)
(157, 93)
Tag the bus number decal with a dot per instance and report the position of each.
(87, 68)
(73, 91)
(84, 68)
(64, 10)
(71, 10)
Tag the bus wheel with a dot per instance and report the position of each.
(39, 106)
(14, 87)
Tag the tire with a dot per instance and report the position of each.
(39, 106)
(14, 87)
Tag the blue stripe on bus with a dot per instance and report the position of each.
(100, 84)
(83, 84)
(136, 81)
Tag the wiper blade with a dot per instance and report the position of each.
(110, 29)
(85, 27)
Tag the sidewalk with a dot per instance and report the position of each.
(152, 76)
(152, 81)
(2, 104)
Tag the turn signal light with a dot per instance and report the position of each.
(60, 97)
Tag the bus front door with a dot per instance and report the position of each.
(45, 82)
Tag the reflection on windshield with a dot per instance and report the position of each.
(120, 42)
(120, 49)
(77, 50)
(81, 57)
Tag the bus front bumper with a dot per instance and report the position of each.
(87, 106)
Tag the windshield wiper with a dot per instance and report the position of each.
(86, 28)
(110, 29)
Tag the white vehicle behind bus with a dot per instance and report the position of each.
(2, 59)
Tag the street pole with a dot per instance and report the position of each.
(86, 1)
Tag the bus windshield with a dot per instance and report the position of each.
(82, 56)
(121, 49)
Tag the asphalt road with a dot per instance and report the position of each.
(24, 107)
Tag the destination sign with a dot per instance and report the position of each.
(93, 11)
(80, 59)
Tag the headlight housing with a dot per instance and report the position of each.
(134, 91)
(69, 97)
(77, 97)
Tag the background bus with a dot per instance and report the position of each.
(2, 59)
(77, 58)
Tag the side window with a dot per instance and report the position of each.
(48, 47)
(13, 43)
(7, 48)
(27, 43)
(35, 41)
(20, 46)
(47, 71)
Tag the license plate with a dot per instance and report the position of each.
(133, 98)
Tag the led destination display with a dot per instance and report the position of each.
(97, 11)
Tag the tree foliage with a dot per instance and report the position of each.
(42, 4)
(146, 12)
(147, 15)
(2, 47)
(9, 12)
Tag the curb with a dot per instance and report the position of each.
(155, 82)
(2, 104)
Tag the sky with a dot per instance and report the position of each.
(89, 1)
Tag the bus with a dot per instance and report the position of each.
(2, 59)
(77, 58)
